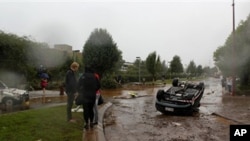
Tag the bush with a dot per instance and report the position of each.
(108, 82)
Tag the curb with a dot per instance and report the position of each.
(100, 132)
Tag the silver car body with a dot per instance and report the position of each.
(12, 96)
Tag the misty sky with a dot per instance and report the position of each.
(191, 29)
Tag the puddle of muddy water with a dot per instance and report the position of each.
(212, 96)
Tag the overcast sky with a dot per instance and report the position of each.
(191, 29)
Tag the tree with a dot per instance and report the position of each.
(176, 65)
(155, 66)
(191, 68)
(151, 64)
(164, 68)
(199, 70)
(159, 67)
(21, 56)
(100, 52)
(233, 57)
(12, 55)
(223, 60)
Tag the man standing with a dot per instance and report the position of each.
(70, 88)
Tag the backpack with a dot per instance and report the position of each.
(88, 83)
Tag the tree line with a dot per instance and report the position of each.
(20, 58)
(23, 56)
(233, 57)
(101, 53)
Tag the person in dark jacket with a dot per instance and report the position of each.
(87, 86)
(71, 88)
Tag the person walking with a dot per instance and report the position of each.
(71, 88)
(98, 93)
(87, 86)
(229, 84)
(44, 84)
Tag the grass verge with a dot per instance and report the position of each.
(46, 124)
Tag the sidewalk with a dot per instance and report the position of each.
(97, 134)
(48, 93)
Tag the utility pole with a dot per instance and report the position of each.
(233, 52)
(139, 67)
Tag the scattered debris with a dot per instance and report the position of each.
(176, 123)
(77, 109)
(133, 94)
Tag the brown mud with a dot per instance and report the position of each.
(137, 119)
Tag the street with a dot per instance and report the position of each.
(137, 119)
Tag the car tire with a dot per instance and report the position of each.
(159, 95)
(8, 104)
(175, 82)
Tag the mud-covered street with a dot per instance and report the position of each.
(137, 119)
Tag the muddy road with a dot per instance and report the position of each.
(137, 119)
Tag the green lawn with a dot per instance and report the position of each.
(46, 124)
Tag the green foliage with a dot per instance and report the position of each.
(176, 65)
(151, 64)
(191, 68)
(199, 70)
(132, 72)
(47, 124)
(21, 57)
(233, 57)
(158, 66)
(108, 82)
(193, 71)
(164, 68)
(100, 52)
(12, 55)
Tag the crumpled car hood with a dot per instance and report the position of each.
(14, 91)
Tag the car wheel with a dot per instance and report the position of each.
(175, 82)
(8, 104)
(159, 95)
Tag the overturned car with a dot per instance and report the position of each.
(10, 97)
(182, 97)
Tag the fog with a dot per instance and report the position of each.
(192, 29)
(12, 79)
(49, 58)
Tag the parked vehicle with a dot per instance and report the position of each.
(10, 97)
(182, 97)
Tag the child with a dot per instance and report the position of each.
(43, 84)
